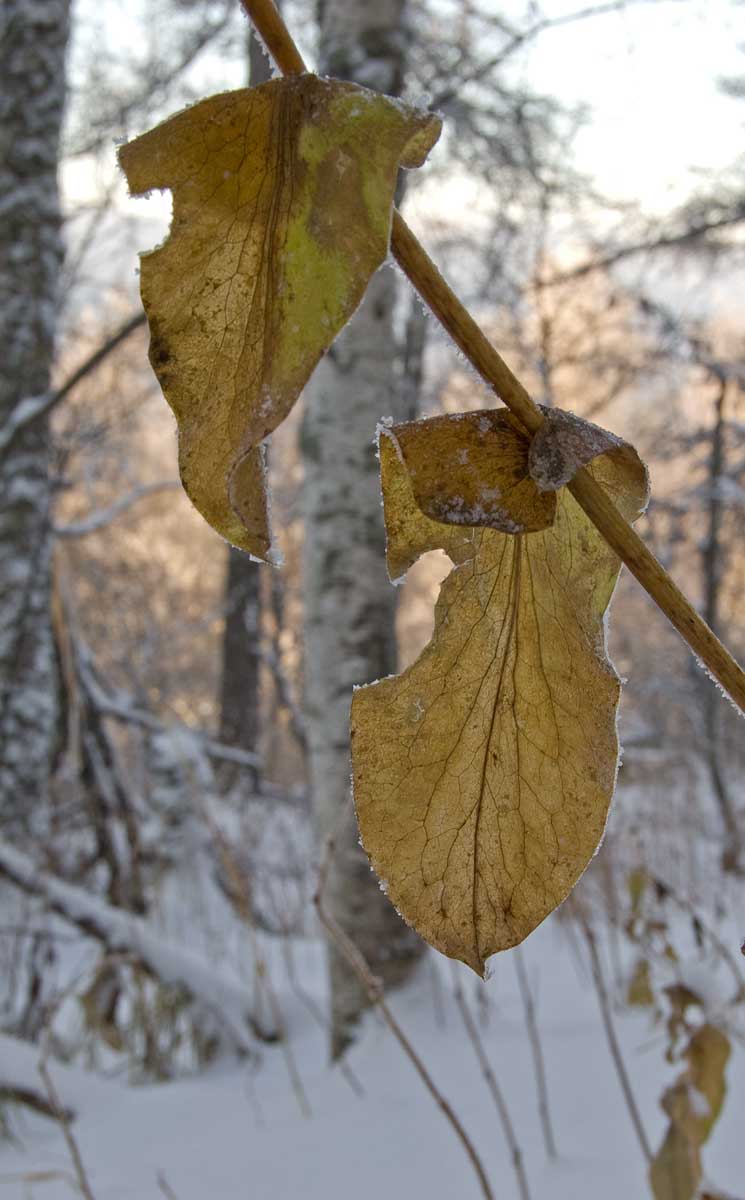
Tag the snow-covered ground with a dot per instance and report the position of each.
(236, 1131)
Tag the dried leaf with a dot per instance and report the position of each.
(675, 1172)
(475, 472)
(680, 998)
(483, 773)
(639, 993)
(708, 1054)
(693, 1104)
(564, 443)
(282, 200)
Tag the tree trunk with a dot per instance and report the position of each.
(33, 41)
(349, 603)
(711, 562)
(239, 690)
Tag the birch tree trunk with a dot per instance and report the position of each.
(239, 686)
(349, 602)
(240, 677)
(33, 40)
(711, 562)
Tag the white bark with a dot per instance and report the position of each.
(349, 603)
(33, 40)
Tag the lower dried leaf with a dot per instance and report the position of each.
(693, 1104)
(483, 773)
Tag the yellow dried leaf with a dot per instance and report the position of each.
(708, 1054)
(483, 773)
(693, 1104)
(637, 883)
(639, 992)
(475, 472)
(675, 1172)
(282, 200)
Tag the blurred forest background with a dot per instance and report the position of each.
(173, 729)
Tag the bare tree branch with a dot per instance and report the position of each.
(121, 932)
(374, 989)
(519, 38)
(34, 407)
(697, 231)
(96, 521)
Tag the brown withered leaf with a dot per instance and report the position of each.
(282, 201)
(484, 772)
(693, 1104)
(639, 993)
(565, 442)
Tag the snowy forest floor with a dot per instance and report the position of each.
(236, 1130)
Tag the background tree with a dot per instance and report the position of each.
(240, 700)
(33, 43)
(349, 603)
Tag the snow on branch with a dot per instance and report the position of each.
(22, 1092)
(222, 994)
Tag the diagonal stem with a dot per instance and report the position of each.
(455, 318)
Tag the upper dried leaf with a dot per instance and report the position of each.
(282, 200)
(483, 773)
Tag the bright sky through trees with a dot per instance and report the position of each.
(648, 75)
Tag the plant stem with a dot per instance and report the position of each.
(454, 316)
(492, 1083)
(603, 513)
(615, 1049)
(531, 1021)
(374, 989)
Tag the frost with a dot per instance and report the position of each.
(273, 68)
(718, 685)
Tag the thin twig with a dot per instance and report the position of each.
(666, 889)
(453, 315)
(103, 517)
(64, 1120)
(493, 1085)
(696, 231)
(374, 989)
(615, 1049)
(264, 986)
(519, 38)
(601, 510)
(21, 1093)
(535, 1045)
(122, 932)
(165, 1187)
(51, 1176)
(123, 710)
(36, 407)
(318, 1016)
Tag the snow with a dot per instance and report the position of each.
(236, 1130)
(222, 994)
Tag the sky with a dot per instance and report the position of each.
(648, 75)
